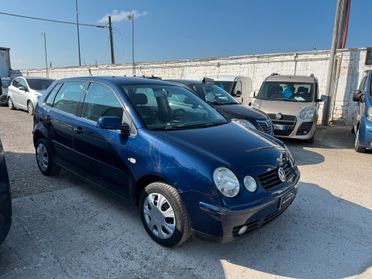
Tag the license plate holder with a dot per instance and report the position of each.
(280, 127)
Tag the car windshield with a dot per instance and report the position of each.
(286, 91)
(213, 94)
(171, 107)
(225, 85)
(39, 84)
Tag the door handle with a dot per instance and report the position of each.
(78, 130)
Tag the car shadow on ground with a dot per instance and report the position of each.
(77, 230)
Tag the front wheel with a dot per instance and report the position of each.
(11, 104)
(164, 215)
(357, 146)
(45, 160)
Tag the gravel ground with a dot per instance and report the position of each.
(64, 228)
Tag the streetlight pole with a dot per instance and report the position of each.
(327, 101)
(131, 17)
(45, 54)
(78, 30)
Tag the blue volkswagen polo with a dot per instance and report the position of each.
(187, 168)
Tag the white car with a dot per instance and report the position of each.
(24, 93)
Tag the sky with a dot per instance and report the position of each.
(171, 29)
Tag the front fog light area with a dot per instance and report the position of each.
(250, 184)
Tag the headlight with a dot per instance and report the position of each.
(244, 123)
(255, 105)
(226, 181)
(250, 184)
(369, 114)
(307, 113)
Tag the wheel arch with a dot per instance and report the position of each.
(143, 182)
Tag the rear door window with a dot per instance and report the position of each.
(101, 101)
(68, 97)
(50, 99)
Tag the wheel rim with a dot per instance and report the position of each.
(42, 156)
(30, 108)
(159, 216)
(10, 103)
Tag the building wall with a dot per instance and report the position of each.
(349, 69)
(4, 62)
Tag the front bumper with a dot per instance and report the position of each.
(223, 224)
(302, 130)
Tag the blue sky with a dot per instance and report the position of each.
(170, 29)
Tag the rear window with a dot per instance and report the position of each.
(39, 84)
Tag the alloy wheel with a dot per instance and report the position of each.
(30, 108)
(42, 157)
(159, 216)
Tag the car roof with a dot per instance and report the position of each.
(119, 80)
(289, 78)
(185, 81)
(45, 78)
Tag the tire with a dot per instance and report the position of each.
(11, 104)
(30, 108)
(357, 146)
(175, 226)
(44, 159)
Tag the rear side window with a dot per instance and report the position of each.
(15, 82)
(49, 100)
(68, 97)
(101, 101)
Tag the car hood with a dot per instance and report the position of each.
(38, 92)
(240, 112)
(291, 108)
(226, 145)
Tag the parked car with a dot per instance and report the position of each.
(23, 93)
(292, 104)
(225, 104)
(240, 87)
(185, 165)
(5, 199)
(363, 117)
(4, 84)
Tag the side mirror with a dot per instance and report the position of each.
(357, 96)
(238, 93)
(113, 123)
(322, 98)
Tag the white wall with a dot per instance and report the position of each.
(349, 70)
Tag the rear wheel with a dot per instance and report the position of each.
(11, 104)
(164, 215)
(30, 108)
(357, 146)
(44, 159)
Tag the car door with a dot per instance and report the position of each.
(102, 153)
(23, 94)
(13, 91)
(361, 105)
(60, 116)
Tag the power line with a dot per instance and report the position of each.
(53, 20)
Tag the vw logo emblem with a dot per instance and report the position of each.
(281, 174)
(278, 116)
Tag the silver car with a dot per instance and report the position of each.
(24, 92)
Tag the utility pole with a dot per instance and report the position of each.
(78, 30)
(45, 54)
(111, 41)
(330, 75)
(131, 17)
